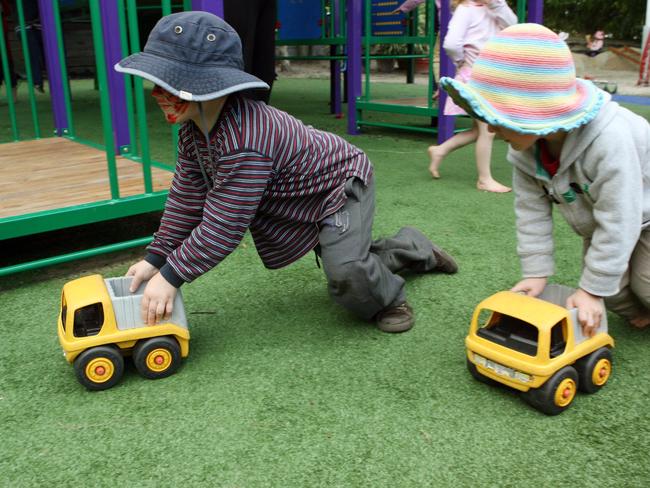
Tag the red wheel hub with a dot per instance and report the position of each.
(159, 360)
(100, 371)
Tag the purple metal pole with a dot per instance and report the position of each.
(536, 11)
(116, 89)
(335, 70)
(445, 122)
(213, 6)
(53, 62)
(355, 20)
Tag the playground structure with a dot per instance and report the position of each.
(51, 183)
(91, 182)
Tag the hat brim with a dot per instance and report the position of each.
(467, 97)
(187, 81)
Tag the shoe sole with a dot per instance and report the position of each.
(392, 328)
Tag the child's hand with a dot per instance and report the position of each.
(530, 286)
(141, 271)
(590, 310)
(158, 300)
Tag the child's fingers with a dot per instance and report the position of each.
(169, 309)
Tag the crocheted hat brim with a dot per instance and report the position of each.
(590, 100)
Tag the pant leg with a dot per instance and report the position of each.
(357, 278)
(35, 46)
(633, 299)
(408, 249)
(254, 21)
(264, 48)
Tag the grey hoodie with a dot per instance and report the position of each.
(602, 188)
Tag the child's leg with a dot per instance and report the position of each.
(483, 159)
(633, 300)
(458, 140)
(357, 278)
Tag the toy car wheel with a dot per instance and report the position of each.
(557, 394)
(594, 370)
(157, 357)
(99, 368)
(473, 370)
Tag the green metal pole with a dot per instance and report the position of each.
(8, 87)
(102, 78)
(187, 5)
(64, 70)
(28, 68)
(141, 111)
(41, 263)
(128, 86)
(521, 10)
(166, 7)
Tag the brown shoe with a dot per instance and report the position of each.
(396, 319)
(446, 263)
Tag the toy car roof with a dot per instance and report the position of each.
(83, 291)
(532, 310)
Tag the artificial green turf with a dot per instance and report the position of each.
(284, 388)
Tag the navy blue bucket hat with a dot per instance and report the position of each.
(194, 55)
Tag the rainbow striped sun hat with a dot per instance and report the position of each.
(524, 79)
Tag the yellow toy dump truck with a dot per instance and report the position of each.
(536, 346)
(99, 322)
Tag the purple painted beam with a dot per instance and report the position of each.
(355, 20)
(536, 11)
(445, 122)
(50, 44)
(213, 6)
(116, 89)
(335, 66)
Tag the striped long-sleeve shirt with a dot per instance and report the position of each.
(268, 172)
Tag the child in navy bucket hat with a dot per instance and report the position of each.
(573, 149)
(243, 165)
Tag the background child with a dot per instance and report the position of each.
(573, 148)
(472, 24)
(243, 165)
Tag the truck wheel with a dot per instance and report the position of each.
(99, 368)
(157, 357)
(594, 370)
(473, 370)
(557, 394)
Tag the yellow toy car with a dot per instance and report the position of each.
(536, 346)
(99, 322)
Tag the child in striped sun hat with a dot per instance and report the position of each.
(573, 147)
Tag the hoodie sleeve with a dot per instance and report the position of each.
(617, 195)
(502, 13)
(534, 221)
(456, 32)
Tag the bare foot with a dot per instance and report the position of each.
(492, 186)
(436, 156)
(641, 322)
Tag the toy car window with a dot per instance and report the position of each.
(512, 333)
(64, 310)
(88, 320)
(558, 339)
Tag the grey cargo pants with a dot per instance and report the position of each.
(361, 273)
(633, 299)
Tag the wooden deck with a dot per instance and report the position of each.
(47, 174)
